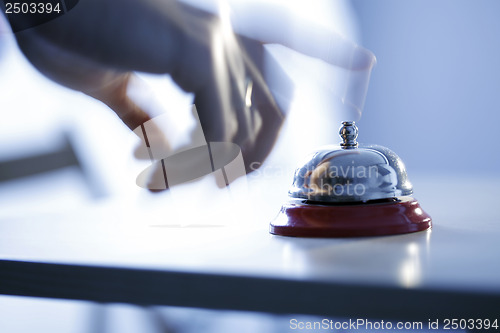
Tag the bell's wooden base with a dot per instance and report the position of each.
(353, 220)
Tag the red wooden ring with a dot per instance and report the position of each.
(371, 219)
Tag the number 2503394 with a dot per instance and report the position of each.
(32, 8)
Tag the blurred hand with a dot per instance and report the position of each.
(200, 52)
(96, 46)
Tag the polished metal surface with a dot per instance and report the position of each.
(351, 172)
(349, 133)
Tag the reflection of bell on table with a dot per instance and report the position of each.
(349, 191)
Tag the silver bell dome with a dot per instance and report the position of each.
(351, 173)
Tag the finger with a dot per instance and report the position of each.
(214, 105)
(114, 94)
(79, 73)
(270, 121)
(266, 116)
(274, 23)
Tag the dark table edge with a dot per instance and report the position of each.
(219, 291)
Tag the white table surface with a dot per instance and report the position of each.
(227, 237)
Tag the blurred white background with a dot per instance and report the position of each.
(433, 95)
